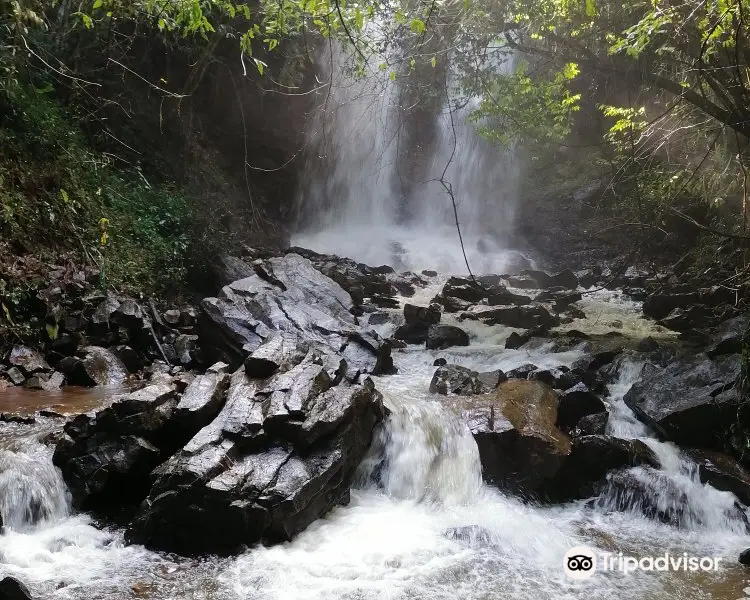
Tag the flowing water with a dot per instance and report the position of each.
(364, 181)
(421, 523)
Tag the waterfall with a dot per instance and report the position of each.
(423, 453)
(32, 490)
(371, 192)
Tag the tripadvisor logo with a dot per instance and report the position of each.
(581, 562)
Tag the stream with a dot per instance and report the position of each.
(424, 527)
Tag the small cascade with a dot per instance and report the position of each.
(673, 494)
(32, 491)
(423, 453)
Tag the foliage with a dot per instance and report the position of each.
(56, 191)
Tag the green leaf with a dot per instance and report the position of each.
(98, 4)
(393, 75)
(433, 62)
(417, 26)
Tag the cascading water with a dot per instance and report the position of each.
(421, 524)
(357, 200)
(32, 492)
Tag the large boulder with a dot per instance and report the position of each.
(691, 402)
(521, 317)
(592, 457)
(460, 381)
(519, 445)
(440, 337)
(280, 454)
(106, 457)
(12, 589)
(289, 296)
(722, 472)
(459, 293)
(575, 404)
(102, 366)
(28, 361)
(417, 323)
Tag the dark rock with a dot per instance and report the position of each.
(418, 319)
(12, 589)
(728, 338)
(307, 305)
(744, 558)
(440, 337)
(233, 484)
(47, 383)
(576, 403)
(522, 372)
(521, 317)
(591, 458)
(464, 289)
(516, 340)
(691, 402)
(106, 457)
(595, 424)
(379, 318)
(15, 376)
(596, 361)
(15, 418)
(460, 381)
(29, 361)
(422, 315)
(658, 306)
(500, 296)
(566, 279)
(202, 399)
(428, 273)
(451, 304)
(130, 358)
(440, 362)
(514, 427)
(696, 316)
(722, 472)
(647, 344)
(570, 378)
(102, 366)
(561, 297)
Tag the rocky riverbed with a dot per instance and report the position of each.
(601, 414)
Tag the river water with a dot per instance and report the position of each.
(430, 528)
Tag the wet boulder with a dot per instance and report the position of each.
(288, 296)
(591, 458)
(521, 317)
(106, 456)
(722, 472)
(28, 361)
(595, 424)
(440, 337)
(281, 453)
(576, 403)
(417, 323)
(659, 305)
(744, 558)
(519, 445)
(102, 366)
(12, 589)
(460, 381)
(692, 402)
